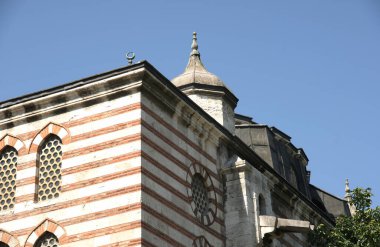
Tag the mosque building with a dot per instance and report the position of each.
(130, 158)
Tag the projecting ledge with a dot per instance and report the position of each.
(274, 227)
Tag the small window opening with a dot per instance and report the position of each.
(262, 205)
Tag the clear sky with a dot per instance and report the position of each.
(310, 68)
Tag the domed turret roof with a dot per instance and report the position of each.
(195, 71)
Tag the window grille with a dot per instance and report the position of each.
(49, 169)
(200, 194)
(8, 170)
(201, 242)
(47, 240)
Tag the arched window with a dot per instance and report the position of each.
(49, 168)
(47, 240)
(48, 233)
(262, 205)
(8, 240)
(8, 171)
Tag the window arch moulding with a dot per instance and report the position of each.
(12, 141)
(51, 128)
(8, 239)
(46, 226)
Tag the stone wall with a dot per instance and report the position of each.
(218, 108)
(177, 144)
(100, 198)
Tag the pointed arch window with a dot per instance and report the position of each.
(8, 172)
(48, 233)
(49, 168)
(47, 240)
(8, 240)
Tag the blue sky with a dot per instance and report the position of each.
(310, 68)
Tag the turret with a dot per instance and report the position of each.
(207, 90)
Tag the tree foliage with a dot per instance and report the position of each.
(359, 230)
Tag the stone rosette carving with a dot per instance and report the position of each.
(204, 206)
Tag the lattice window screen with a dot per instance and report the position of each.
(200, 194)
(47, 240)
(8, 172)
(49, 170)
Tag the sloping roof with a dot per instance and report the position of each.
(195, 71)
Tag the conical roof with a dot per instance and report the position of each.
(195, 71)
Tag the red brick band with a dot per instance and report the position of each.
(201, 241)
(98, 116)
(177, 132)
(131, 243)
(161, 235)
(103, 231)
(183, 152)
(183, 213)
(70, 203)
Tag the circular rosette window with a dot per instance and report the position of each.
(201, 242)
(201, 194)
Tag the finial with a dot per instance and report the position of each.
(194, 45)
(347, 196)
(130, 56)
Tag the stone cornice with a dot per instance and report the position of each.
(69, 96)
(197, 88)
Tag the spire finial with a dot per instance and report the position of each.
(347, 185)
(194, 45)
(347, 196)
